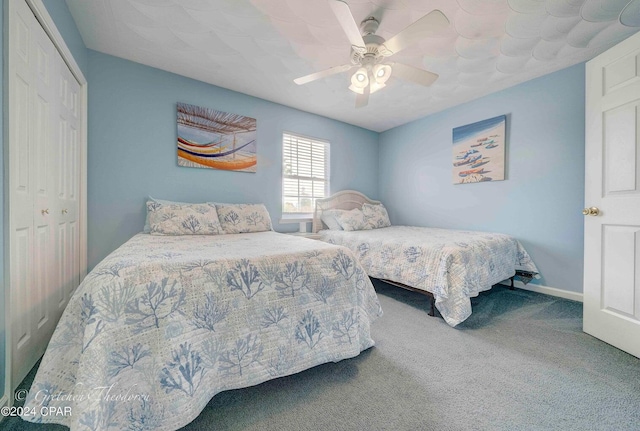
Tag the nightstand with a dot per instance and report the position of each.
(309, 235)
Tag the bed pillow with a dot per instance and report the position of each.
(183, 219)
(376, 215)
(352, 220)
(329, 218)
(243, 218)
(147, 227)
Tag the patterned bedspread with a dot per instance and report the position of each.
(166, 322)
(453, 265)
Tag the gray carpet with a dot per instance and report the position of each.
(520, 362)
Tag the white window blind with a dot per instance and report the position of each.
(305, 173)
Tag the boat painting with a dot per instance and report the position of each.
(215, 140)
(479, 149)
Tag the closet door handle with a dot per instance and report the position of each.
(45, 211)
(64, 211)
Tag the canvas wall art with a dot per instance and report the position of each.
(479, 151)
(216, 140)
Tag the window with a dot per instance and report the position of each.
(305, 173)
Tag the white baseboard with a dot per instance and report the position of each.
(574, 296)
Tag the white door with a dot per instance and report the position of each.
(44, 169)
(612, 192)
(67, 157)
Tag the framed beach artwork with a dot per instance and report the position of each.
(216, 140)
(479, 151)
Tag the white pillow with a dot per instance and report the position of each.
(352, 220)
(183, 219)
(329, 218)
(242, 218)
(147, 227)
(376, 215)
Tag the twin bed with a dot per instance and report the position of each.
(173, 317)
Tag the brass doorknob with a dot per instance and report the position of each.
(593, 211)
(43, 212)
(64, 211)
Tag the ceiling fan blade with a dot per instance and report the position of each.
(413, 74)
(345, 17)
(362, 100)
(426, 26)
(322, 74)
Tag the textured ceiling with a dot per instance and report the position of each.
(258, 47)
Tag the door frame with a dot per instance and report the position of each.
(46, 22)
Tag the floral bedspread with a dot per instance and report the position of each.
(166, 322)
(454, 265)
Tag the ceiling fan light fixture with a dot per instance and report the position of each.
(381, 73)
(359, 80)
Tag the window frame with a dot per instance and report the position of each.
(297, 216)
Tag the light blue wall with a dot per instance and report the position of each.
(541, 200)
(132, 149)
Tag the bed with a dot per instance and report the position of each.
(449, 266)
(165, 322)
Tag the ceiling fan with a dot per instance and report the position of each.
(370, 51)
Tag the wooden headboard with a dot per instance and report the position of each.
(344, 200)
